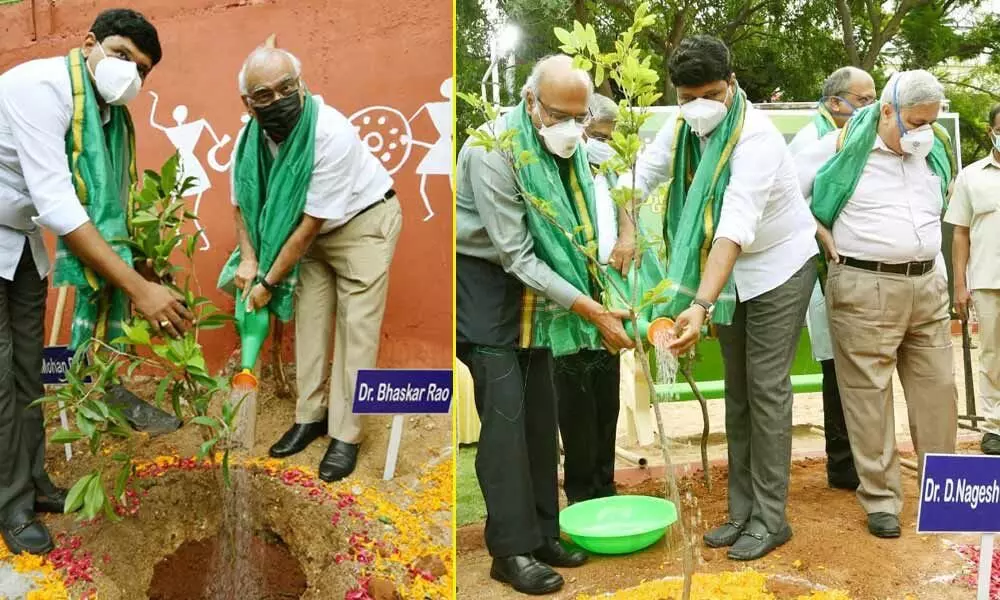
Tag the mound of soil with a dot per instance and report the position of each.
(275, 573)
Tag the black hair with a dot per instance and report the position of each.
(132, 25)
(993, 114)
(699, 60)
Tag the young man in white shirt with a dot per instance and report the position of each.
(763, 242)
(845, 91)
(877, 192)
(345, 241)
(37, 191)
(974, 210)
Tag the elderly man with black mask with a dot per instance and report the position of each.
(314, 211)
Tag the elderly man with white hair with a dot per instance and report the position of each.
(878, 189)
(317, 222)
(524, 294)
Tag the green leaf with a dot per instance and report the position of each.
(168, 175)
(85, 425)
(122, 479)
(175, 399)
(64, 436)
(94, 498)
(161, 390)
(74, 499)
(207, 447)
(203, 420)
(564, 36)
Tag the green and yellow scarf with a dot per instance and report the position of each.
(271, 193)
(694, 207)
(102, 164)
(838, 178)
(569, 201)
(823, 121)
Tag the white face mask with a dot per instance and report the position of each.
(996, 141)
(704, 115)
(598, 152)
(562, 138)
(117, 80)
(918, 142)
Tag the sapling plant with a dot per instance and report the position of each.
(156, 217)
(628, 66)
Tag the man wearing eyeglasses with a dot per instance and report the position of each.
(973, 211)
(524, 294)
(317, 222)
(846, 90)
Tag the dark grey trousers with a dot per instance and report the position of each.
(22, 431)
(758, 349)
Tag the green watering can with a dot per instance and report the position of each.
(253, 329)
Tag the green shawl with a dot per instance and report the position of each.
(102, 165)
(271, 193)
(837, 179)
(569, 202)
(823, 121)
(694, 207)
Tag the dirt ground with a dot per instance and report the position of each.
(345, 536)
(830, 547)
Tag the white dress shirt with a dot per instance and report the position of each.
(894, 215)
(606, 218)
(36, 188)
(975, 203)
(763, 210)
(806, 137)
(346, 177)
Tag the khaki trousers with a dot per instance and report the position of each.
(987, 304)
(881, 323)
(345, 273)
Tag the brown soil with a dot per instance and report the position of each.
(183, 576)
(830, 547)
(183, 506)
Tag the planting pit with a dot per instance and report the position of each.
(274, 574)
(345, 540)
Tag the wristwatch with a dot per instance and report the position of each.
(708, 306)
(271, 287)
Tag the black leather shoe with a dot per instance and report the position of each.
(23, 533)
(724, 535)
(51, 502)
(553, 553)
(526, 575)
(339, 461)
(883, 525)
(752, 545)
(297, 439)
(990, 444)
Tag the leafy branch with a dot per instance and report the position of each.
(157, 216)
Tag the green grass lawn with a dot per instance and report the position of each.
(471, 508)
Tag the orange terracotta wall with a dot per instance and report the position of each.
(356, 55)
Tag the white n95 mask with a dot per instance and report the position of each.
(704, 115)
(918, 142)
(117, 80)
(561, 139)
(598, 152)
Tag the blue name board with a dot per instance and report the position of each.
(55, 364)
(960, 493)
(403, 391)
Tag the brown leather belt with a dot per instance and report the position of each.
(910, 269)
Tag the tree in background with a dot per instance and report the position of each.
(788, 44)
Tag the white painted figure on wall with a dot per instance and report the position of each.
(185, 136)
(388, 135)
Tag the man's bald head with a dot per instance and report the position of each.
(557, 91)
(848, 89)
(266, 67)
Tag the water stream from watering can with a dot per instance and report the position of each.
(234, 565)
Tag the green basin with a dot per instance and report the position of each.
(619, 524)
